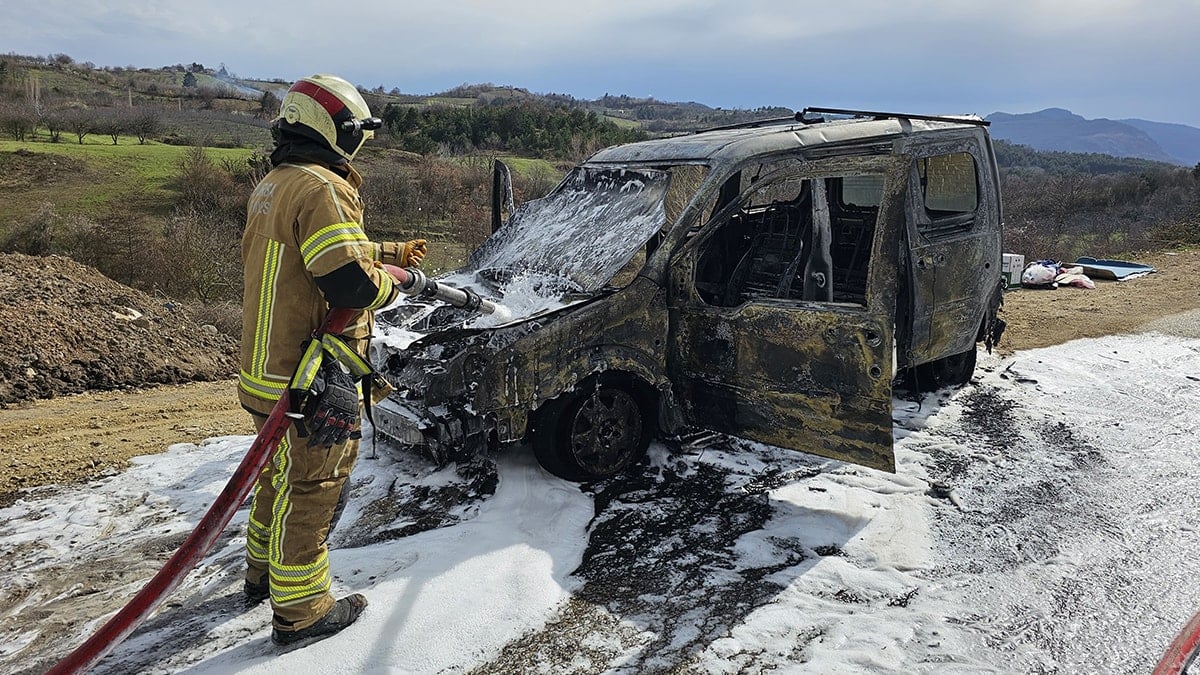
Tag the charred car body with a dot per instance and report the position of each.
(769, 281)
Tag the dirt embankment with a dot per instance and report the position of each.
(67, 329)
(76, 323)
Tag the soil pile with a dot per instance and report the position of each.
(69, 329)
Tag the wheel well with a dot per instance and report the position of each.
(646, 396)
(604, 448)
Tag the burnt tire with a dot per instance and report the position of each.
(593, 434)
(951, 371)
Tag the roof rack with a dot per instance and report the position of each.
(801, 116)
(751, 124)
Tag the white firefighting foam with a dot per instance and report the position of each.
(1040, 519)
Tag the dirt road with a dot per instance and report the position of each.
(79, 437)
(83, 436)
(1166, 299)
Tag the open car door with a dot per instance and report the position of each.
(782, 311)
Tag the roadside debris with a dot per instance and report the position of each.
(1048, 274)
(1113, 270)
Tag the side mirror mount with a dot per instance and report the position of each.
(502, 195)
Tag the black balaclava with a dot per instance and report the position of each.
(291, 146)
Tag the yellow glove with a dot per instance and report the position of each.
(412, 253)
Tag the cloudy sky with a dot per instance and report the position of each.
(1098, 58)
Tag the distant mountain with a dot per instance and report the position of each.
(1179, 140)
(1057, 129)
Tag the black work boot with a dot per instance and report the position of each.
(344, 613)
(256, 592)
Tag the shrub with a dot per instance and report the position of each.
(225, 315)
(1065, 215)
(1185, 232)
(205, 186)
(198, 256)
(32, 235)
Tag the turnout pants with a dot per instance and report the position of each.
(290, 518)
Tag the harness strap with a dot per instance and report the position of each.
(314, 356)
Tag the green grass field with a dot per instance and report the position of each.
(92, 175)
(527, 167)
(623, 122)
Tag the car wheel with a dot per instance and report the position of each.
(951, 371)
(593, 434)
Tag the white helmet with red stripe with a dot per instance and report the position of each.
(329, 110)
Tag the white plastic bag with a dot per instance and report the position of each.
(1039, 274)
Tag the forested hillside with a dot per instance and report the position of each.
(1061, 205)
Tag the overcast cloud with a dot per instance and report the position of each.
(1098, 58)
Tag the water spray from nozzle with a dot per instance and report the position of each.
(413, 282)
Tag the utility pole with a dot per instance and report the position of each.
(34, 89)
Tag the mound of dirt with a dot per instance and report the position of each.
(69, 329)
(23, 168)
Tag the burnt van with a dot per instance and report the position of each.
(772, 281)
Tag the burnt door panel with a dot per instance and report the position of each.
(951, 232)
(796, 377)
(794, 372)
(949, 295)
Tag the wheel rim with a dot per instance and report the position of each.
(606, 431)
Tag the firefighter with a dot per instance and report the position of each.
(303, 252)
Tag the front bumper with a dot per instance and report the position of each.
(395, 420)
(444, 433)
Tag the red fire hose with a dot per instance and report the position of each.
(1182, 651)
(201, 540)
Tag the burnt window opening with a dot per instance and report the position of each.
(853, 211)
(949, 193)
(766, 248)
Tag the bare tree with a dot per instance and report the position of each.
(53, 121)
(144, 122)
(79, 121)
(17, 119)
(112, 123)
(201, 256)
(208, 96)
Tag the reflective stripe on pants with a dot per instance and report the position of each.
(290, 517)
